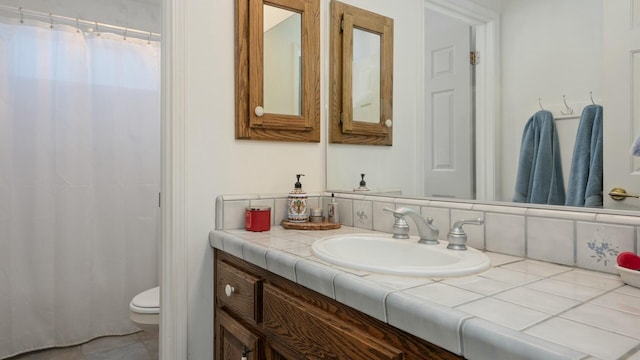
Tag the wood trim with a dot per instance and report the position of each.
(343, 128)
(249, 74)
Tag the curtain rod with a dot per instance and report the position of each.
(77, 23)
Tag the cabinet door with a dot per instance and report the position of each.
(315, 334)
(233, 340)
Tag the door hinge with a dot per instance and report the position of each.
(474, 58)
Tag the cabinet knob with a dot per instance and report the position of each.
(228, 289)
(259, 111)
(388, 123)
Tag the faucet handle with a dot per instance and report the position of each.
(457, 237)
(400, 226)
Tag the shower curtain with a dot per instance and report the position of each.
(79, 182)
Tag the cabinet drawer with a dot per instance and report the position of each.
(316, 334)
(239, 291)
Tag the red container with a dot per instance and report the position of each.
(257, 218)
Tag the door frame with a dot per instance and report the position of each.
(487, 99)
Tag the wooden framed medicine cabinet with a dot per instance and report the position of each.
(277, 70)
(361, 73)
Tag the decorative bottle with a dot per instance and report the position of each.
(297, 203)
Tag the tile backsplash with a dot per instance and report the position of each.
(584, 239)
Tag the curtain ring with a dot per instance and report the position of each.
(50, 21)
(77, 25)
(97, 29)
(149, 39)
(21, 15)
(125, 33)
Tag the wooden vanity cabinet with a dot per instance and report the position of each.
(267, 317)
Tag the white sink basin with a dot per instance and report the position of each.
(384, 254)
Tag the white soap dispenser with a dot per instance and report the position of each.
(297, 203)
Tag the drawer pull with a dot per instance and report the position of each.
(228, 289)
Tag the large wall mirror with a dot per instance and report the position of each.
(532, 54)
(361, 103)
(278, 70)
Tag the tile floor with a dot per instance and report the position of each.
(138, 346)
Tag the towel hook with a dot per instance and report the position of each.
(567, 110)
(540, 104)
(591, 97)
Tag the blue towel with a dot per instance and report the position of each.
(539, 179)
(585, 178)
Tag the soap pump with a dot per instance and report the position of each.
(363, 185)
(297, 203)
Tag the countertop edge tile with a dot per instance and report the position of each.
(282, 263)
(433, 322)
(317, 277)
(484, 340)
(361, 294)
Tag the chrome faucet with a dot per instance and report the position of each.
(428, 232)
(457, 237)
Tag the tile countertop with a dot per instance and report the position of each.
(519, 309)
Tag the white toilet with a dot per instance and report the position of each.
(145, 310)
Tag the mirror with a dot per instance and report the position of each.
(542, 51)
(278, 70)
(282, 59)
(366, 76)
(361, 76)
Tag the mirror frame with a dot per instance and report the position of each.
(343, 127)
(249, 74)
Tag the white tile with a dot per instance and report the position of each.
(440, 324)
(283, 264)
(443, 294)
(316, 277)
(562, 214)
(304, 251)
(509, 276)
(361, 294)
(279, 212)
(383, 221)
(451, 205)
(505, 234)
(537, 300)
(498, 259)
(475, 233)
(598, 245)
(276, 243)
(606, 318)
(588, 339)
(255, 254)
(398, 282)
(590, 279)
(618, 219)
(363, 214)
(563, 288)
(504, 313)
(515, 210)
(629, 290)
(550, 240)
(234, 211)
(537, 268)
(479, 284)
(484, 340)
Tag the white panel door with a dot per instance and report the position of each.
(447, 97)
(621, 121)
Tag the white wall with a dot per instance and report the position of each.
(549, 48)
